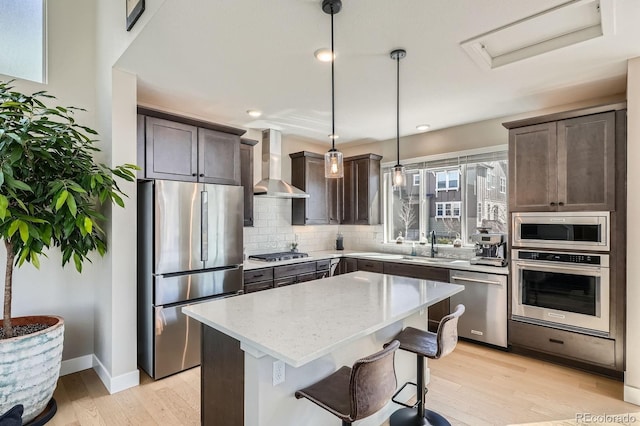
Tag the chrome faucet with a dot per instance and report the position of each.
(434, 250)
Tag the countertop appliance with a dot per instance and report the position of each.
(189, 251)
(490, 249)
(485, 300)
(274, 257)
(564, 290)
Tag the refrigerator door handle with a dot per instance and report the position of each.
(204, 228)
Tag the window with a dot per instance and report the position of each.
(23, 39)
(448, 196)
(451, 210)
(490, 183)
(447, 180)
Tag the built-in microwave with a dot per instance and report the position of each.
(562, 230)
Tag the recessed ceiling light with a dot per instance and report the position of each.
(423, 127)
(254, 113)
(324, 55)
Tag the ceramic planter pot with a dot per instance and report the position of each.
(30, 366)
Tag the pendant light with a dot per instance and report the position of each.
(333, 161)
(398, 175)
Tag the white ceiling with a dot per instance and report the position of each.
(219, 58)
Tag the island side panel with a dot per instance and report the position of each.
(268, 405)
(222, 380)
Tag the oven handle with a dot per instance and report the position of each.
(475, 280)
(564, 267)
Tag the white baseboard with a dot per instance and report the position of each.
(118, 383)
(631, 394)
(73, 365)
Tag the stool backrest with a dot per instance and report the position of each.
(448, 332)
(373, 382)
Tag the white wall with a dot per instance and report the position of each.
(115, 325)
(53, 290)
(632, 373)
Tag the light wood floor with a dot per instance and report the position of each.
(473, 386)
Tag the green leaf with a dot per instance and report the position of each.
(78, 261)
(34, 260)
(115, 197)
(23, 255)
(24, 231)
(88, 225)
(1, 178)
(71, 204)
(4, 204)
(13, 227)
(62, 197)
(16, 184)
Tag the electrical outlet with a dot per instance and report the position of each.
(278, 372)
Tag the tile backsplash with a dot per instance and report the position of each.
(272, 231)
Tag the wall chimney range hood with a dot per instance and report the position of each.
(272, 184)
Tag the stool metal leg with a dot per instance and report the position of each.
(418, 416)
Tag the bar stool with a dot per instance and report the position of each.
(353, 393)
(433, 346)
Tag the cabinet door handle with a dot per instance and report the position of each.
(560, 342)
(552, 203)
(194, 174)
(201, 174)
(259, 275)
(561, 203)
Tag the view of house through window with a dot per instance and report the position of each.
(453, 197)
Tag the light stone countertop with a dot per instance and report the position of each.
(303, 322)
(438, 262)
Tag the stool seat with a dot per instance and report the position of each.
(331, 393)
(419, 342)
(353, 393)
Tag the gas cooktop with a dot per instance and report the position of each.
(274, 257)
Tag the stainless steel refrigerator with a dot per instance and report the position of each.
(189, 251)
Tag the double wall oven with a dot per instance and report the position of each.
(560, 270)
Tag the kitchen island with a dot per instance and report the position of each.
(313, 328)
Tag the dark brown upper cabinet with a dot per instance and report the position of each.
(361, 205)
(171, 150)
(218, 157)
(180, 148)
(307, 174)
(563, 165)
(246, 177)
(355, 199)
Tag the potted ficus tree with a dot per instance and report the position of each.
(51, 190)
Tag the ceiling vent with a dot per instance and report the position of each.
(564, 25)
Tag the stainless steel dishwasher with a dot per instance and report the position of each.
(485, 300)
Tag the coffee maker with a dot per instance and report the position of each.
(491, 249)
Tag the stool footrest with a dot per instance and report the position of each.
(393, 398)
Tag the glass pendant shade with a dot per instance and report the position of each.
(333, 164)
(399, 177)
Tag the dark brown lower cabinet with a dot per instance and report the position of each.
(592, 353)
(347, 265)
(279, 276)
(370, 265)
